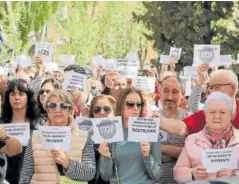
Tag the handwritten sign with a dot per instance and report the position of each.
(23, 61)
(51, 67)
(19, 130)
(191, 71)
(127, 68)
(163, 136)
(107, 129)
(186, 82)
(109, 64)
(144, 83)
(143, 129)
(225, 60)
(215, 159)
(55, 137)
(209, 54)
(73, 80)
(66, 60)
(44, 49)
(164, 59)
(85, 124)
(175, 52)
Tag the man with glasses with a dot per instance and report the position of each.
(221, 80)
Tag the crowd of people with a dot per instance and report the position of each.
(207, 119)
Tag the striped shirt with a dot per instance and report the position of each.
(194, 99)
(83, 171)
(174, 140)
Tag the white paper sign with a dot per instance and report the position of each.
(164, 59)
(186, 82)
(209, 54)
(73, 80)
(143, 129)
(175, 52)
(51, 67)
(19, 130)
(225, 60)
(98, 60)
(133, 57)
(85, 124)
(191, 71)
(215, 159)
(55, 137)
(109, 64)
(163, 136)
(108, 129)
(45, 49)
(127, 68)
(24, 61)
(144, 83)
(66, 60)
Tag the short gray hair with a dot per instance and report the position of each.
(228, 73)
(219, 96)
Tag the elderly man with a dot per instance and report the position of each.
(224, 81)
(171, 93)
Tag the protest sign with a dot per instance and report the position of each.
(44, 49)
(85, 124)
(215, 159)
(19, 130)
(109, 64)
(209, 54)
(23, 61)
(98, 60)
(225, 60)
(66, 60)
(127, 68)
(163, 136)
(55, 137)
(164, 59)
(107, 129)
(191, 71)
(73, 80)
(144, 83)
(143, 129)
(133, 57)
(143, 73)
(175, 52)
(51, 67)
(186, 82)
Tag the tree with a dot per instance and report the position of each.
(183, 24)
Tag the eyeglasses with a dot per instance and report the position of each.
(42, 91)
(132, 104)
(98, 109)
(62, 106)
(216, 86)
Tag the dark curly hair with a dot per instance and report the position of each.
(32, 112)
(79, 69)
(56, 85)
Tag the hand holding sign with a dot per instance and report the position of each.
(145, 148)
(224, 173)
(202, 73)
(3, 134)
(104, 149)
(199, 173)
(61, 158)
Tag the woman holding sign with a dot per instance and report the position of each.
(55, 166)
(130, 162)
(102, 106)
(202, 157)
(19, 106)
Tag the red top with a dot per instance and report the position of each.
(197, 121)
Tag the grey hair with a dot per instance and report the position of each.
(228, 73)
(221, 97)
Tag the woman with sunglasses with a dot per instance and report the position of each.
(19, 106)
(43, 166)
(130, 162)
(47, 86)
(101, 107)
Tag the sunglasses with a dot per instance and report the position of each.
(62, 106)
(42, 91)
(98, 109)
(132, 104)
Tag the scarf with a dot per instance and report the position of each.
(219, 141)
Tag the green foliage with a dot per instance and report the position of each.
(183, 24)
